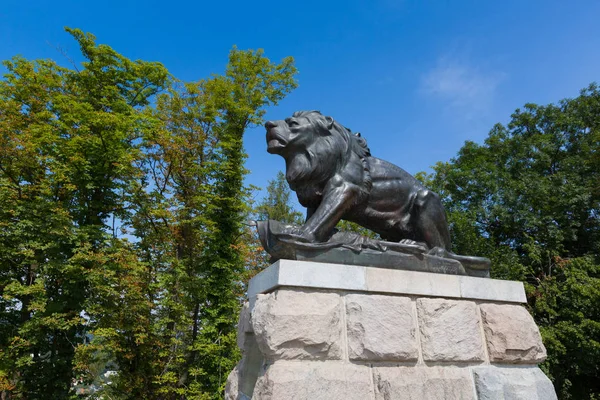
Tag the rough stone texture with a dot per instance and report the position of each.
(244, 326)
(380, 328)
(501, 383)
(511, 334)
(420, 383)
(293, 342)
(241, 380)
(298, 325)
(231, 386)
(253, 366)
(450, 330)
(232, 389)
(314, 381)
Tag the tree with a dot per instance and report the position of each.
(276, 205)
(121, 222)
(188, 209)
(566, 304)
(529, 198)
(251, 82)
(66, 151)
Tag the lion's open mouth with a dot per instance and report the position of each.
(274, 142)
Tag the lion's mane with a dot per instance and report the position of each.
(332, 147)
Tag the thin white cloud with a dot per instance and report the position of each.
(461, 84)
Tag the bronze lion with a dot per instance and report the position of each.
(335, 177)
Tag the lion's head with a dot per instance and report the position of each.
(314, 146)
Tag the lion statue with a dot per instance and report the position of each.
(335, 177)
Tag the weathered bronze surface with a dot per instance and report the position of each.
(335, 177)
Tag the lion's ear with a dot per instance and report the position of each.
(329, 123)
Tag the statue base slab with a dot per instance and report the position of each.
(329, 331)
(349, 248)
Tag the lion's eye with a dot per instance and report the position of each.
(293, 123)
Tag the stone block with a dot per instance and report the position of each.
(314, 381)
(492, 289)
(292, 324)
(416, 383)
(244, 326)
(305, 274)
(252, 366)
(502, 383)
(410, 282)
(511, 334)
(380, 328)
(232, 386)
(450, 330)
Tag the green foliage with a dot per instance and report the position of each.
(276, 205)
(121, 236)
(566, 304)
(122, 244)
(66, 154)
(236, 101)
(529, 198)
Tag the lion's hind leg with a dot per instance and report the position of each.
(430, 222)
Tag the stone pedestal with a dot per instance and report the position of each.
(335, 332)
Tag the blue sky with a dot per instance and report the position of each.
(416, 78)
